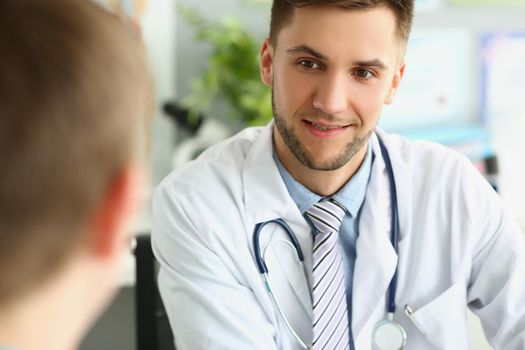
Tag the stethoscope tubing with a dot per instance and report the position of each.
(394, 224)
(261, 264)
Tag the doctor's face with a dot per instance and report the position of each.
(331, 71)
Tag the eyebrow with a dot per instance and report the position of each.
(377, 63)
(306, 49)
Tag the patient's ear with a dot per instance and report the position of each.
(111, 222)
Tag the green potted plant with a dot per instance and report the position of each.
(232, 72)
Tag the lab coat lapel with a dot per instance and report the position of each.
(376, 259)
(267, 198)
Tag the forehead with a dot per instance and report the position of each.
(337, 31)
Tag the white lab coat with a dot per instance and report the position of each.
(457, 247)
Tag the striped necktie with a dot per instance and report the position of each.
(330, 313)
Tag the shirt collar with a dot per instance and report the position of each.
(351, 195)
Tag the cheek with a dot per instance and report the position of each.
(291, 92)
(367, 101)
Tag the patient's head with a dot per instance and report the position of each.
(75, 98)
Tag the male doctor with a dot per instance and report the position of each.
(320, 166)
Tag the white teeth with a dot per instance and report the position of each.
(324, 128)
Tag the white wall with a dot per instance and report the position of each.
(506, 130)
(159, 25)
(509, 142)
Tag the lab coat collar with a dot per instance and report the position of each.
(267, 198)
(376, 259)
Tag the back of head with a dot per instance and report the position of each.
(282, 12)
(74, 100)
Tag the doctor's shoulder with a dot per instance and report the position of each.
(227, 155)
(425, 154)
(210, 184)
(447, 183)
(442, 165)
(440, 174)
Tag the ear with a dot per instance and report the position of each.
(110, 225)
(266, 63)
(396, 80)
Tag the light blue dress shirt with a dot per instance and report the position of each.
(351, 196)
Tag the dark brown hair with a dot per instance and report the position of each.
(75, 95)
(282, 12)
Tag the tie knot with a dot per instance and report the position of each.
(326, 215)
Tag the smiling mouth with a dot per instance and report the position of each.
(325, 127)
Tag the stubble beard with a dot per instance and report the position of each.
(300, 152)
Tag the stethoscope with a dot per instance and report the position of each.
(388, 334)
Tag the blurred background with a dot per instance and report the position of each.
(464, 87)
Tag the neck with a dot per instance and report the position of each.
(324, 183)
(54, 317)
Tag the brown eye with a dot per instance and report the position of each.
(364, 74)
(309, 65)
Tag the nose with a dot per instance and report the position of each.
(331, 95)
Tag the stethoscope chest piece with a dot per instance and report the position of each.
(388, 335)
